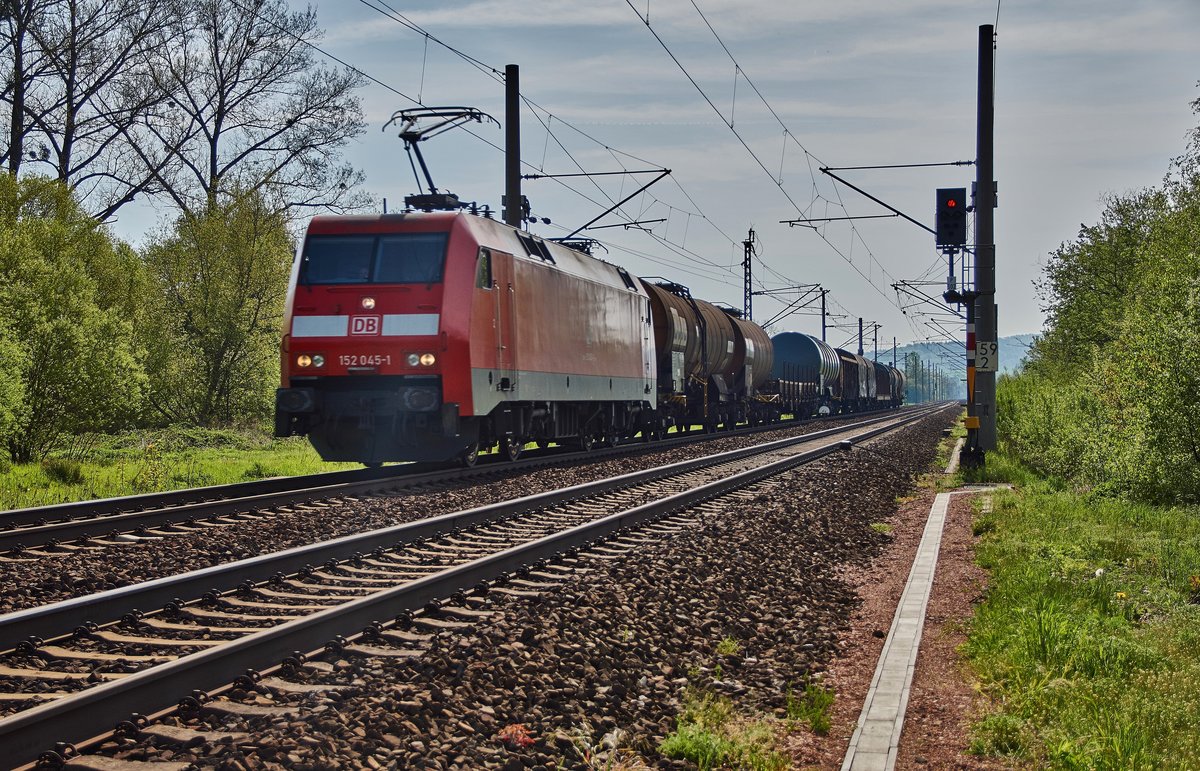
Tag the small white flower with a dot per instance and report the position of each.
(1099, 572)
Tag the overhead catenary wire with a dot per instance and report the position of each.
(496, 74)
(846, 254)
(809, 157)
(680, 251)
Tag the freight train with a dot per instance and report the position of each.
(428, 336)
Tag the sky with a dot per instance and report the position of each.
(1092, 98)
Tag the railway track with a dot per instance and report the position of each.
(36, 532)
(375, 594)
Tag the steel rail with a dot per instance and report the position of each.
(92, 712)
(35, 515)
(56, 619)
(33, 527)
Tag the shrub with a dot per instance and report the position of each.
(68, 472)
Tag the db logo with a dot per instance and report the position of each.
(364, 325)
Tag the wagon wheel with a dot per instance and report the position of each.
(469, 456)
(512, 447)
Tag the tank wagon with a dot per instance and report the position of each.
(889, 386)
(428, 336)
(807, 374)
(813, 378)
(712, 364)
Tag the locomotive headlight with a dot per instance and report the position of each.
(368, 303)
(428, 359)
(413, 360)
(304, 360)
(318, 360)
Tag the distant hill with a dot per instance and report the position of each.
(1012, 352)
(951, 358)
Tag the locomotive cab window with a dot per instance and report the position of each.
(397, 258)
(412, 258)
(338, 260)
(483, 269)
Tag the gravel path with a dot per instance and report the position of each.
(609, 652)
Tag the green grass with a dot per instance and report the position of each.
(1088, 642)
(728, 647)
(711, 734)
(812, 707)
(1002, 468)
(946, 446)
(151, 461)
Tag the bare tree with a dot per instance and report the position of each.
(18, 47)
(189, 99)
(83, 77)
(265, 117)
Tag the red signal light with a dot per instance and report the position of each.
(951, 220)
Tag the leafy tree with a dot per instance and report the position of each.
(1149, 376)
(221, 277)
(69, 340)
(1086, 282)
(188, 99)
(1109, 400)
(12, 389)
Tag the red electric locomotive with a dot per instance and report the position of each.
(424, 336)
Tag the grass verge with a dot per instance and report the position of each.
(152, 461)
(1088, 643)
(712, 734)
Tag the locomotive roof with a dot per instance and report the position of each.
(486, 232)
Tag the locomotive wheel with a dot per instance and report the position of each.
(512, 447)
(470, 455)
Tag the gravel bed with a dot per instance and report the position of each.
(609, 652)
(75, 574)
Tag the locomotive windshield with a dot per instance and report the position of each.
(396, 258)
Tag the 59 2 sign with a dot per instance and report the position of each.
(987, 356)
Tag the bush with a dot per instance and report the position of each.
(70, 346)
(68, 472)
(1108, 399)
